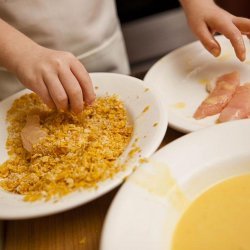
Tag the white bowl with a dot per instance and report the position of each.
(132, 92)
(147, 208)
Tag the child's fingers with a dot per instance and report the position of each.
(56, 91)
(207, 39)
(230, 31)
(45, 96)
(73, 90)
(41, 90)
(85, 82)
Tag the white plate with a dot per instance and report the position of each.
(132, 92)
(146, 209)
(180, 79)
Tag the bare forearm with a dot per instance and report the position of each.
(14, 46)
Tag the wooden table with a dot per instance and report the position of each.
(77, 229)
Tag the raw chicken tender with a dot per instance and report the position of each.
(221, 95)
(32, 132)
(239, 106)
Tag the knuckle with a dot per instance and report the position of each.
(69, 55)
(62, 59)
(236, 33)
(236, 39)
(30, 80)
(57, 61)
(232, 33)
(62, 100)
(75, 92)
(43, 69)
(91, 98)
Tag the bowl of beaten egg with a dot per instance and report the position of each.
(193, 194)
(52, 161)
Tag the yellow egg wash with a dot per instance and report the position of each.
(179, 105)
(204, 81)
(219, 219)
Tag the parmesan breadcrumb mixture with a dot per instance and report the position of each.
(78, 152)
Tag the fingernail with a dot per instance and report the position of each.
(91, 101)
(215, 52)
(242, 56)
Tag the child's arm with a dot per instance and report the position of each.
(57, 77)
(205, 18)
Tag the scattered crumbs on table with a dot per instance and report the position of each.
(82, 241)
(96, 87)
(146, 90)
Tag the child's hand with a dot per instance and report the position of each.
(57, 77)
(205, 18)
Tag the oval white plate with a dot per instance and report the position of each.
(132, 92)
(180, 79)
(146, 209)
